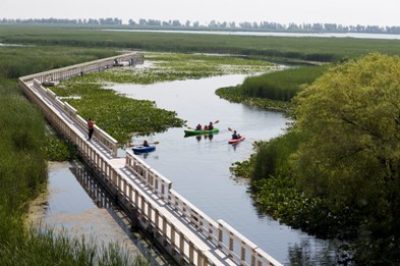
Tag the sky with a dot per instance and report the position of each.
(346, 12)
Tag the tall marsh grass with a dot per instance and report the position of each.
(23, 168)
(281, 48)
(281, 85)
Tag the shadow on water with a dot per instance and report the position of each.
(99, 193)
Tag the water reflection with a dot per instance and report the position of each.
(200, 137)
(301, 254)
(80, 203)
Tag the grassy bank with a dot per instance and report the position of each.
(273, 91)
(23, 169)
(280, 48)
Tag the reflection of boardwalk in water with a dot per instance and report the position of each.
(98, 190)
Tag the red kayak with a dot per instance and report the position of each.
(234, 141)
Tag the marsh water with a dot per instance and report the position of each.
(77, 205)
(199, 166)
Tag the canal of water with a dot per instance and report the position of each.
(199, 167)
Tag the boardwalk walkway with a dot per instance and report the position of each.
(188, 234)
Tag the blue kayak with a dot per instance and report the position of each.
(143, 149)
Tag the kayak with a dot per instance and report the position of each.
(143, 149)
(235, 141)
(192, 132)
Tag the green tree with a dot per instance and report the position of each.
(351, 116)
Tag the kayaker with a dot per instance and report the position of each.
(145, 144)
(205, 127)
(235, 135)
(198, 127)
(210, 126)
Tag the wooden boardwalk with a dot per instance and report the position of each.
(188, 234)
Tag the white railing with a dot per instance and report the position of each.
(79, 69)
(218, 233)
(159, 184)
(100, 135)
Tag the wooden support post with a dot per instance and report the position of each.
(191, 251)
(181, 247)
(230, 244)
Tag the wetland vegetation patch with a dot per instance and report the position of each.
(121, 116)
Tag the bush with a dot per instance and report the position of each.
(272, 157)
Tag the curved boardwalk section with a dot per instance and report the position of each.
(188, 234)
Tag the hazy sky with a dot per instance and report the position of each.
(371, 12)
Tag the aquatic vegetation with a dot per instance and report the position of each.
(281, 85)
(121, 116)
(233, 94)
(175, 66)
(273, 91)
(57, 149)
(116, 114)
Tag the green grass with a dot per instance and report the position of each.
(23, 168)
(19, 61)
(281, 85)
(273, 91)
(57, 149)
(281, 48)
(56, 248)
(233, 94)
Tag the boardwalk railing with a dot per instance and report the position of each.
(80, 69)
(189, 235)
(108, 142)
(220, 234)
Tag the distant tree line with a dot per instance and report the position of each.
(58, 21)
(263, 26)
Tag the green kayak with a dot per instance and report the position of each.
(192, 132)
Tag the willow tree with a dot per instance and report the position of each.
(352, 156)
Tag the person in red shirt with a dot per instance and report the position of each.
(90, 125)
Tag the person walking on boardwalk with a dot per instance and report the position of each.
(90, 124)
